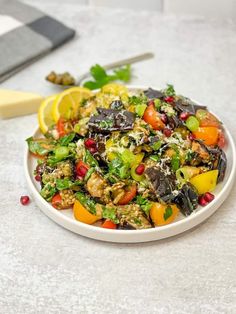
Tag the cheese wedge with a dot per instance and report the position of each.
(16, 103)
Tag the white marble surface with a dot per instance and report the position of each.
(46, 269)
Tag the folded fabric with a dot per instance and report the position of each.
(26, 34)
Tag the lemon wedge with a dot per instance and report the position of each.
(45, 117)
(66, 104)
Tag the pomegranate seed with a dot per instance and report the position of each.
(164, 118)
(167, 132)
(202, 201)
(81, 171)
(92, 150)
(208, 197)
(191, 137)
(184, 116)
(169, 99)
(38, 177)
(90, 143)
(24, 199)
(140, 169)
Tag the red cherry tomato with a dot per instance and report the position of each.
(129, 195)
(56, 200)
(108, 224)
(221, 140)
(152, 117)
(61, 127)
(81, 169)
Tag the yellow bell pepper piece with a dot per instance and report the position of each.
(163, 214)
(205, 182)
(83, 215)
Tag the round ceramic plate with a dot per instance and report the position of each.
(65, 217)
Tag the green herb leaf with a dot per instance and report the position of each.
(63, 184)
(110, 213)
(123, 74)
(144, 204)
(65, 140)
(169, 91)
(87, 202)
(168, 212)
(118, 168)
(48, 191)
(89, 159)
(101, 77)
(40, 146)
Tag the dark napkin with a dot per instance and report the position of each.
(26, 34)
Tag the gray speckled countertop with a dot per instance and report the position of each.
(46, 269)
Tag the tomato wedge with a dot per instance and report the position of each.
(152, 117)
(209, 135)
(108, 224)
(129, 195)
(207, 119)
(56, 200)
(61, 127)
(81, 169)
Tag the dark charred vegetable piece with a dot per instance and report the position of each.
(109, 120)
(153, 94)
(200, 153)
(187, 199)
(219, 162)
(174, 122)
(132, 217)
(186, 105)
(163, 185)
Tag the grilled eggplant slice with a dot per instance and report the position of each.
(161, 183)
(187, 199)
(153, 94)
(109, 120)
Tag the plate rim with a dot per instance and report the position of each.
(151, 234)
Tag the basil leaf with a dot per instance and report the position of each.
(168, 212)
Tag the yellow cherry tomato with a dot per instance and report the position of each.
(163, 214)
(83, 215)
(209, 135)
(205, 182)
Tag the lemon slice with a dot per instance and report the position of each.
(45, 117)
(66, 104)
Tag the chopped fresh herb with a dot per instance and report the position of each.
(137, 221)
(156, 145)
(105, 124)
(110, 213)
(48, 191)
(118, 168)
(144, 204)
(63, 184)
(138, 100)
(169, 91)
(168, 212)
(86, 201)
(89, 173)
(175, 162)
(155, 158)
(89, 159)
(157, 103)
(65, 140)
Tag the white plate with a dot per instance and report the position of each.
(65, 217)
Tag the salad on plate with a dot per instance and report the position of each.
(125, 158)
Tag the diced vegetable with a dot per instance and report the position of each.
(152, 117)
(61, 152)
(192, 123)
(209, 135)
(163, 214)
(185, 173)
(205, 182)
(129, 195)
(83, 215)
(108, 224)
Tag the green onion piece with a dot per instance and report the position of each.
(61, 152)
(192, 123)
